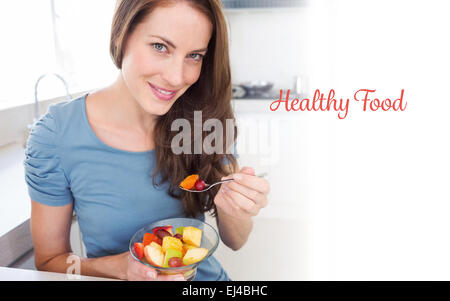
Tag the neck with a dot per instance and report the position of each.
(125, 111)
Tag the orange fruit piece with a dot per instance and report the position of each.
(189, 182)
(148, 238)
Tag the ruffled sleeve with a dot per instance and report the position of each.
(44, 175)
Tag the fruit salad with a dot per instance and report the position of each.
(163, 248)
(193, 182)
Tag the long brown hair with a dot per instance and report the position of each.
(211, 95)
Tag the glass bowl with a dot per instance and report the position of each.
(210, 241)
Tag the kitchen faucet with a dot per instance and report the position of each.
(36, 114)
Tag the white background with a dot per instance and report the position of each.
(387, 215)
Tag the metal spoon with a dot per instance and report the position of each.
(209, 186)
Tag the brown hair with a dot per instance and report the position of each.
(211, 95)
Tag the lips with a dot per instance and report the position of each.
(161, 93)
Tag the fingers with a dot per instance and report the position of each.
(247, 194)
(246, 198)
(137, 271)
(247, 191)
(253, 182)
(228, 200)
(248, 170)
(240, 201)
(255, 196)
(140, 272)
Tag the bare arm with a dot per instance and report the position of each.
(237, 202)
(50, 231)
(233, 232)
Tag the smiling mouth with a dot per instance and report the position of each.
(162, 94)
(163, 91)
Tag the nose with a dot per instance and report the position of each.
(173, 72)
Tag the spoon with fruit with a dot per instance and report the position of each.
(193, 183)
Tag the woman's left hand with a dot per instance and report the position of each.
(245, 196)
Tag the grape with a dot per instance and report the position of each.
(162, 233)
(179, 236)
(200, 185)
(175, 262)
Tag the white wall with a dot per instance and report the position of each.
(266, 44)
(27, 48)
(76, 46)
(83, 30)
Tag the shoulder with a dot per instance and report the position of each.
(66, 111)
(49, 128)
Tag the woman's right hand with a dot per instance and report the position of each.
(136, 271)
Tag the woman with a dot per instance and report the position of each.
(107, 155)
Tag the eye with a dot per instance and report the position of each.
(159, 47)
(196, 56)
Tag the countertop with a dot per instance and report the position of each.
(10, 274)
(252, 105)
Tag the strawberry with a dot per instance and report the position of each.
(148, 238)
(139, 250)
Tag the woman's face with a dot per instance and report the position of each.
(163, 56)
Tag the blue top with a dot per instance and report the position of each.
(111, 189)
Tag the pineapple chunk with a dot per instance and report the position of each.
(170, 242)
(192, 236)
